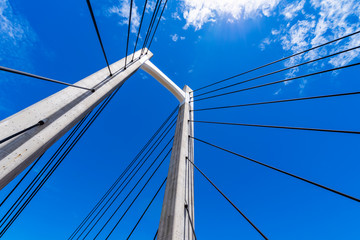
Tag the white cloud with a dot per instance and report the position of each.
(143, 76)
(150, 6)
(198, 12)
(16, 37)
(275, 32)
(265, 43)
(297, 35)
(291, 10)
(329, 19)
(320, 22)
(123, 12)
(16, 41)
(278, 91)
(174, 37)
(175, 15)
(230, 20)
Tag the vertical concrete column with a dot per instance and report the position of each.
(190, 200)
(175, 222)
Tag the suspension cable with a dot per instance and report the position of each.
(117, 192)
(67, 151)
(37, 177)
(40, 123)
(190, 220)
(128, 34)
(278, 71)
(157, 6)
(146, 183)
(282, 59)
(5, 69)
(157, 231)
(278, 101)
(29, 188)
(20, 181)
(237, 209)
(98, 34)
(99, 218)
(282, 127)
(280, 81)
(156, 26)
(148, 206)
(152, 22)
(122, 174)
(141, 22)
(279, 170)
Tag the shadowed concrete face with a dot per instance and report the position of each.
(175, 222)
(61, 111)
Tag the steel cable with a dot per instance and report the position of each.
(279, 170)
(279, 60)
(278, 101)
(141, 22)
(98, 34)
(236, 208)
(122, 174)
(117, 192)
(281, 127)
(146, 183)
(144, 212)
(279, 81)
(156, 26)
(278, 71)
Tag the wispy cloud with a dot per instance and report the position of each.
(122, 9)
(16, 40)
(308, 23)
(311, 23)
(175, 15)
(291, 10)
(265, 43)
(176, 37)
(143, 76)
(150, 6)
(199, 12)
(16, 36)
(324, 20)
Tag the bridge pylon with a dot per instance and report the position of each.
(177, 215)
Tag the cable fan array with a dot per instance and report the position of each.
(30, 190)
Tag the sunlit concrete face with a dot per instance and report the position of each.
(61, 111)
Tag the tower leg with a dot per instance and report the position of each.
(176, 221)
(59, 113)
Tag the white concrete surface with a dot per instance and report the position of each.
(163, 80)
(174, 221)
(61, 111)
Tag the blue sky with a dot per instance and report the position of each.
(198, 42)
